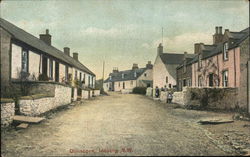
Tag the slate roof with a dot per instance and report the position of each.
(128, 75)
(211, 50)
(27, 38)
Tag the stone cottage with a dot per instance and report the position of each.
(164, 70)
(24, 55)
(52, 76)
(129, 79)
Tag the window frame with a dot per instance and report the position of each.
(225, 51)
(51, 68)
(27, 61)
(223, 78)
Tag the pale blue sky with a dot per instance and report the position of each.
(123, 32)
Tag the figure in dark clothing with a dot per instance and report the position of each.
(157, 92)
(169, 98)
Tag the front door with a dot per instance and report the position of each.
(211, 80)
(45, 66)
(57, 72)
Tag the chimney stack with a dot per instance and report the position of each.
(46, 37)
(66, 51)
(135, 66)
(218, 36)
(196, 48)
(160, 49)
(185, 55)
(115, 70)
(149, 65)
(75, 56)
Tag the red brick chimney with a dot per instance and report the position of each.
(66, 51)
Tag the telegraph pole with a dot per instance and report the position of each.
(103, 73)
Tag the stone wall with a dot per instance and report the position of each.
(96, 92)
(74, 94)
(40, 103)
(5, 59)
(126, 91)
(85, 94)
(208, 98)
(7, 111)
(149, 92)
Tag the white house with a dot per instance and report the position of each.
(24, 55)
(164, 70)
(129, 79)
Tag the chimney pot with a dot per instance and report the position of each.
(196, 48)
(66, 51)
(75, 56)
(149, 65)
(160, 49)
(220, 30)
(47, 31)
(135, 66)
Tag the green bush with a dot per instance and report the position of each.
(139, 90)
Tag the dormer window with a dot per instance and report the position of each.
(134, 74)
(110, 77)
(123, 76)
(225, 51)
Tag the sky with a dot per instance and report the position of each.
(123, 32)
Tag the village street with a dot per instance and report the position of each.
(114, 125)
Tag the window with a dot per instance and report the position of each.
(123, 85)
(170, 86)
(24, 61)
(166, 79)
(131, 82)
(225, 51)
(51, 69)
(184, 83)
(225, 78)
(66, 73)
(75, 74)
(80, 76)
(119, 84)
(89, 81)
(211, 80)
(134, 74)
(83, 81)
(199, 81)
(145, 74)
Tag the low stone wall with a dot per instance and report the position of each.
(149, 92)
(208, 98)
(91, 93)
(126, 91)
(178, 98)
(7, 111)
(163, 96)
(35, 105)
(96, 92)
(85, 94)
(74, 94)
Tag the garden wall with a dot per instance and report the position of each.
(208, 98)
(40, 103)
(7, 111)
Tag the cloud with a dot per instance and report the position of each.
(112, 32)
(183, 42)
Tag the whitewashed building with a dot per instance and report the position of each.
(35, 59)
(164, 70)
(129, 79)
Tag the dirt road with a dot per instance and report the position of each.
(113, 125)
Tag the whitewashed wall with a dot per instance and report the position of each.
(34, 60)
(16, 61)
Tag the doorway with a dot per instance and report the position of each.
(211, 80)
(57, 72)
